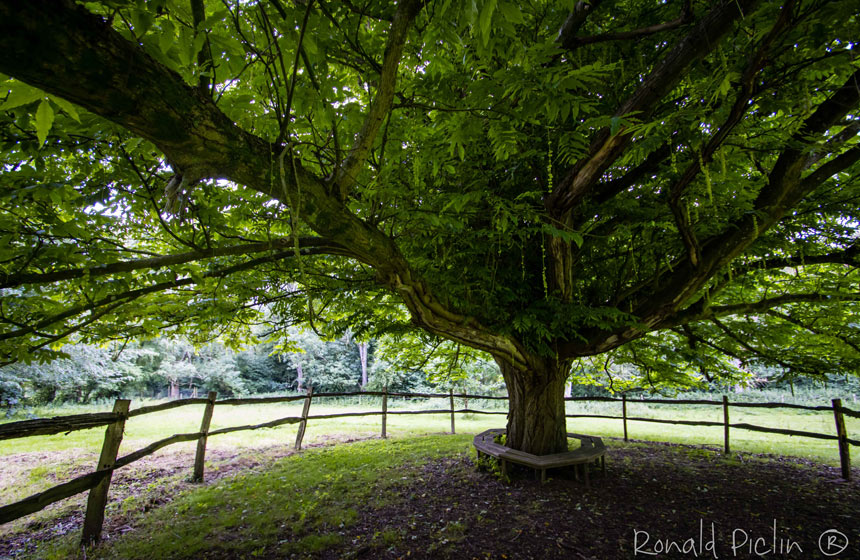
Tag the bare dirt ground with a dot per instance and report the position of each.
(656, 501)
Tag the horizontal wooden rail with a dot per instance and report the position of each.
(851, 413)
(712, 403)
(88, 481)
(259, 400)
(784, 432)
(378, 413)
(782, 405)
(40, 501)
(272, 424)
(164, 406)
(56, 425)
(409, 395)
(153, 447)
(67, 424)
(655, 420)
(740, 426)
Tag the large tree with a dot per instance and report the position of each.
(539, 180)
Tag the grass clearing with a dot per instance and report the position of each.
(293, 504)
(31, 465)
(299, 504)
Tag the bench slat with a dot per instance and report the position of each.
(591, 448)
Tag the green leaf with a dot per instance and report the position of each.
(511, 12)
(44, 120)
(69, 108)
(197, 44)
(21, 94)
(486, 19)
(614, 125)
(167, 38)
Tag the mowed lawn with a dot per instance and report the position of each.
(47, 459)
(142, 430)
(31, 465)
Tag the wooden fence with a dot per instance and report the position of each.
(98, 482)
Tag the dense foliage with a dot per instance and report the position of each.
(174, 368)
(675, 182)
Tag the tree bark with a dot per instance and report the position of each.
(536, 421)
(362, 354)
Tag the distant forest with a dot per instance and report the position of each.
(175, 368)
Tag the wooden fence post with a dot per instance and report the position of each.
(97, 499)
(200, 457)
(842, 433)
(726, 424)
(303, 424)
(384, 412)
(451, 396)
(624, 413)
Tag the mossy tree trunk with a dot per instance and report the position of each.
(536, 420)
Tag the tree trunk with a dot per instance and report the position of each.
(536, 421)
(362, 354)
(301, 378)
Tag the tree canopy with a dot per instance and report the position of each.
(672, 181)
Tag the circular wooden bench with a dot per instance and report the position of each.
(591, 450)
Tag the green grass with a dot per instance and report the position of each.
(320, 487)
(824, 451)
(44, 461)
(142, 430)
(298, 505)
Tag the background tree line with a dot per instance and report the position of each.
(175, 368)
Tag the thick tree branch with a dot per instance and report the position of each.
(828, 169)
(60, 47)
(309, 246)
(785, 188)
(739, 109)
(606, 147)
(833, 145)
(344, 178)
(609, 189)
(703, 312)
(685, 17)
(574, 21)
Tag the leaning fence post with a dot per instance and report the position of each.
(97, 499)
(384, 411)
(842, 434)
(200, 457)
(451, 396)
(624, 413)
(726, 423)
(304, 422)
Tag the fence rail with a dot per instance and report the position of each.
(98, 482)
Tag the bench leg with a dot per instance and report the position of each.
(585, 468)
(504, 467)
(542, 476)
